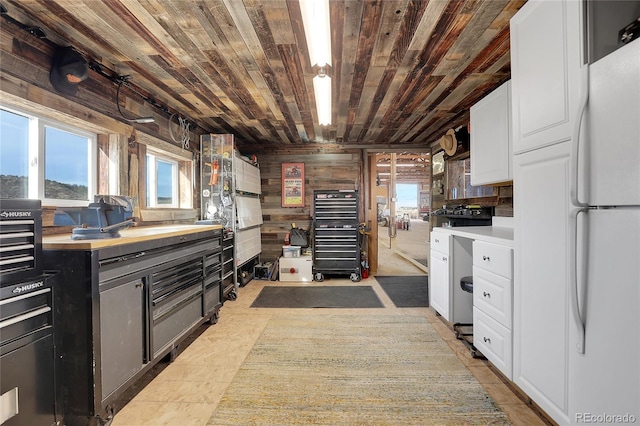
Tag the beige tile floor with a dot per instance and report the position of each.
(186, 391)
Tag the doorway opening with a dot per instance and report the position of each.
(402, 194)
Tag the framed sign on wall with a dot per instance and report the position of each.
(292, 184)
(438, 162)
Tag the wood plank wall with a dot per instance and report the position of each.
(322, 171)
(25, 62)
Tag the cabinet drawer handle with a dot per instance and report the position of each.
(444, 259)
(485, 294)
(437, 240)
(486, 258)
(486, 340)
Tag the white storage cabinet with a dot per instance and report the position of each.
(545, 72)
(446, 296)
(491, 146)
(545, 76)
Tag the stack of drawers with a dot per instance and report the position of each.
(493, 304)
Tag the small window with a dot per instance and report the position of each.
(47, 160)
(67, 169)
(162, 181)
(14, 155)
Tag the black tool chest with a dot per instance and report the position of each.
(336, 247)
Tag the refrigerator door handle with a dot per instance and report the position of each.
(573, 271)
(575, 140)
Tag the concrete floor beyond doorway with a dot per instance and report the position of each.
(411, 245)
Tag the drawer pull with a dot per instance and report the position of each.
(486, 258)
(485, 294)
(437, 240)
(444, 259)
(486, 340)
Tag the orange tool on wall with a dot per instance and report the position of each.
(215, 168)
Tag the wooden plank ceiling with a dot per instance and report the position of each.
(404, 71)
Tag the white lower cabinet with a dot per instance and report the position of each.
(450, 260)
(439, 274)
(493, 340)
(493, 304)
(542, 319)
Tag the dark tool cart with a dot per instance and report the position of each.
(125, 304)
(27, 347)
(336, 247)
(228, 270)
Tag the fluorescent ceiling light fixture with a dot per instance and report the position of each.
(322, 89)
(317, 30)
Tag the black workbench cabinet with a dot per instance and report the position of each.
(121, 309)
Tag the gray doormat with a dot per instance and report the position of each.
(317, 297)
(410, 291)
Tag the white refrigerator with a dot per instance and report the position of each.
(604, 351)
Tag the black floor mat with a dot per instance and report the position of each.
(317, 297)
(406, 291)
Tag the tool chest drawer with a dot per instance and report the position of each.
(336, 247)
(338, 238)
(339, 206)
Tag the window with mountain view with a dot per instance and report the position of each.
(66, 169)
(43, 159)
(14, 155)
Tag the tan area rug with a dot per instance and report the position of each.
(353, 370)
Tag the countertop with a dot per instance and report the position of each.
(127, 236)
(492, 234)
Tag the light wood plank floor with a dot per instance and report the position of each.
(187, 391)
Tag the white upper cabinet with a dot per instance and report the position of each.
(545, 72)
(491, 138)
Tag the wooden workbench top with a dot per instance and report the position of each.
(127, 236)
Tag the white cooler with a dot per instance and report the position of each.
(296, 268)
